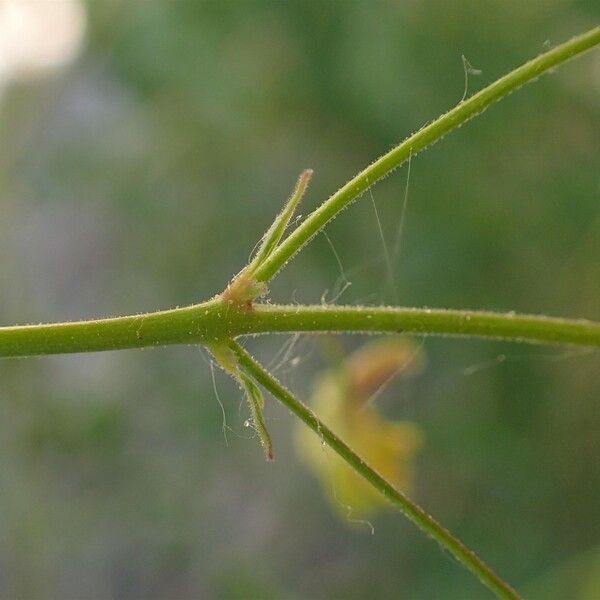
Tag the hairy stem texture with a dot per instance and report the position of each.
(411, 510)
(215, 321)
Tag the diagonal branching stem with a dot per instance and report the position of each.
(411, 510)
(417, 142)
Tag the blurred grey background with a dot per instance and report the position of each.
(145, 148)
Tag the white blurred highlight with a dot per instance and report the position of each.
(37, 36)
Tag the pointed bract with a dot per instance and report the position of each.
(256, 402)
(274, 234)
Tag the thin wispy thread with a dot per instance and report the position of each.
(388, 259)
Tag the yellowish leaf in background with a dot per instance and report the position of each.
(344, 399)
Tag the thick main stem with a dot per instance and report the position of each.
(426, 136)
(423, 321)
(411, 510)
(217, 320)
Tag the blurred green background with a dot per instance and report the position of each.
(140, 176)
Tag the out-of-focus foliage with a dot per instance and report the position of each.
(344, 399)
(141, 176)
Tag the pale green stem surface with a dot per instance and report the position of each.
(269, 318)
(419, 141)
(411, 510)
(215, 321)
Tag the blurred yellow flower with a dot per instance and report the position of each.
(343, 399)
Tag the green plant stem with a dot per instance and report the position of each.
(216, 320)
(424, 321)
(417, 142)
(411, 510)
